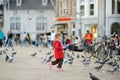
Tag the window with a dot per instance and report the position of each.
(91, 9)
(38, 27)
(81, 1)
(15, 23)
(18, 2)
(115, 6)
(91, 0)
(1, 1)
(12, 23)
(44, 23)
(82, 10)
(44, 2)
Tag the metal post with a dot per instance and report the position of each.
(77, 26)
(102, 17)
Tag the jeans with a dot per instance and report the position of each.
(10, 43)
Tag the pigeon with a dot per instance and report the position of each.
(4, 52)
(104, 62)
(49, 59)
(6, 49)
(34, 54)
(7, 58)
(65, 60)
(70, 61)
(11, 59)
(99, 67)
(78, 56)
(43, 59)
(113, 63)
(73, 53)
(14, 53)
(93, 77)
(48, 53)
(114, 69)
(86, 62)
(13, 49)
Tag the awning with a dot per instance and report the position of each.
(63, 19)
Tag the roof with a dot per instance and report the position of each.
(31, 5)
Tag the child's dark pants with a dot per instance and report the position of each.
(59, 62)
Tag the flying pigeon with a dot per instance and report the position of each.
(93, 77)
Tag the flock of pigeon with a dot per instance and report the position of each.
(69, 59)
(8, 58)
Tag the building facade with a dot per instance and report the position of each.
(65, 16)
(88, 16)
(33, 17)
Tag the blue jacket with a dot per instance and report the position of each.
(1, 35)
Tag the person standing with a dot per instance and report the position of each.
(45, 40)
(1, 38)
(10, 36)
(58, 53)
(7, 38)
(52, 37)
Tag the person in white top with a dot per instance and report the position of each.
(52, 37)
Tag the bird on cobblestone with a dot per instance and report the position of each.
(104, 62)
(114, 69)
(93, 77)
(73, 53)
(11, 59)
(49, 58)
(70, 61)
(13, 49)
(34, 54)
(6, 49)
(43, 59)
(87, 62)
(48, 53)
(4, 52)
(14, 53)
(6, 58)
(99, 67)
(78, 56)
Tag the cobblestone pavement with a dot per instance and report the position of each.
(26, 67)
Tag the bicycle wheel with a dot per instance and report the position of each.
(87, 52)
(102, 54)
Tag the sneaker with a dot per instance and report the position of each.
(49, 64)
(60, 70)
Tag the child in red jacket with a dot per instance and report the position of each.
(58, 53)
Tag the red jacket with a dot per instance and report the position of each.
(58, 50)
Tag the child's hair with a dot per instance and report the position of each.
(57, 34)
